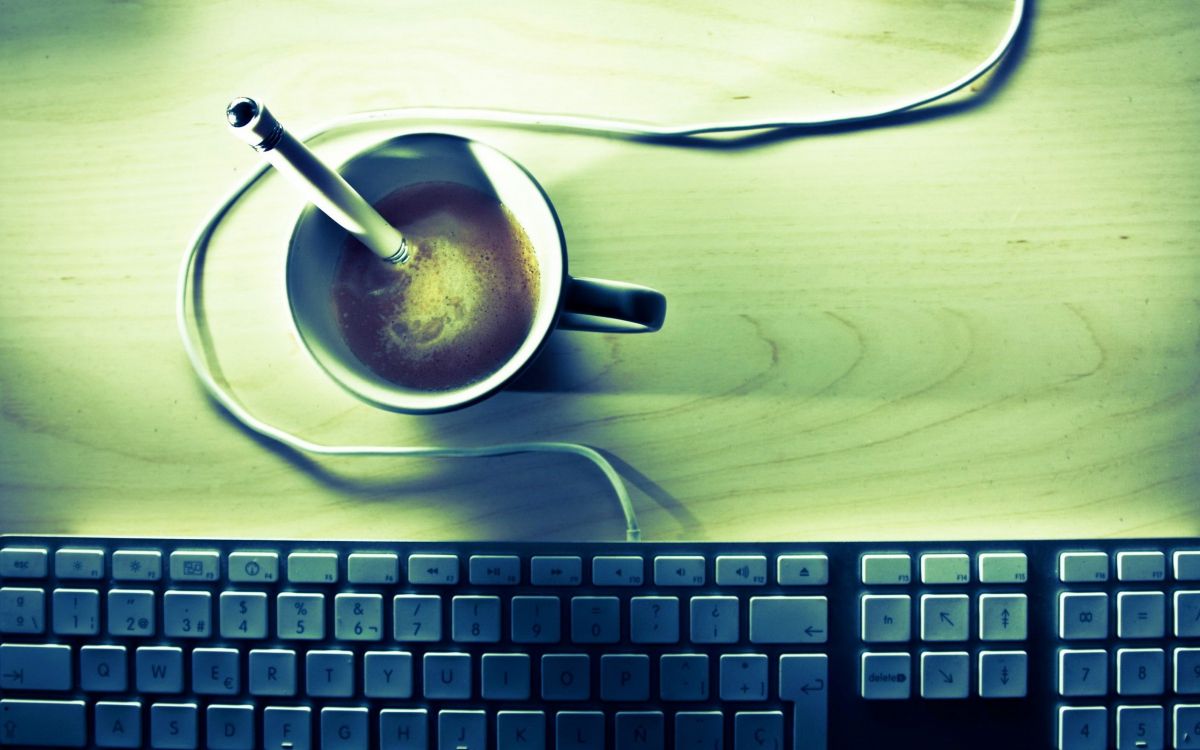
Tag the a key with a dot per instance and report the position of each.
(230, 727)
(494, 570)
(1082, 672)
(329, 674)
(520, 730)
(654, 619)
(595, 619)
(287, 728)
(312, 567)
(462, 730)
(699, 730)
(102, 669)
(215, 671)
(417, 618)
(1003, 674)
(38, 723)
(1083, 616)
(886, 618)
(173, 726)
(944, 617)
(714, 619)
(253, 567)
(1141, 566)
(743, 677)
(131, 613)
(35, 667)
(755, 730)
(433, 570)
(358, 617)
(300, 616)
(1141, 614)
(22, 610)
(683, 677)
(243, 614)
(802, 570)
(639, 730)
(79, 563)
(272, 672)
(624, 677)
(566, 677)
(1082, 728)
(475, 619)
(556, 570)
(944, 674)
(1139, 727)
(1140, 671)
(1003, 567)
(388, 674)
(789, 619)
(344, 728)
(1003, 617)
(804, 680)
(617, 570)
(118, 724)
(1187, 673)
(679, 570)
(741, 570)
(505, 676)
(159, 669)
(373, 567)
(403, 729)
(187, 614)
(23, 562)
(886, 569)
(945, 568)
(885, 676)
(447, 676)
(137, 565)
(536, 619)
(195, 565)
(579, 730)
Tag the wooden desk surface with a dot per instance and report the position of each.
(984, 322)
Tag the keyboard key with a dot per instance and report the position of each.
(1187, 726)
(187, 614)
(433, 570)
(624, 677)
(462, 730)
(802, 570)
(714, 619)
(243, 614)
(102, 669)
(417, 618)
(1141, 566)
(195, 565)
(173, 726)
(803, 680)
(38, 723)
(679, 570)
(555, 570)
(536, 619)
(373, 567)
(1187, 614)
(475, 619)
(886, 676)
(505, 676)
(403, 729)
(1187, 673)
(944, 674)
(137, 565)
(945, 568)
(566, 677)
(654, 619)
(789, 619)
(886, 619)
(1139, 727)
(757, 729)
(699, 729)
(1082, 616)
(358, 617)
(254, 567)
(1082, 728)
(215, 671)
(300, 617)
(118, 724)
(230, 727)
(447, 676)
(23, 562)
(1141, 614)
(1002, 674)
(617, 570)
(1002, 617)
(22, 610)
(1003, 567)
(683, 677)
(388, 674)
(741, 570)
(131, 613)
(344, 728)
(159, 669)
(79, 563)
(743, 677)
(76, 612)
(595, 619)
(886, 569)
(287, 728)
(312, 567)
(944, 617)
(272, 672)
(521, 730)
(1140, 671)
(495, 570)
(1187, 568)
(579, 730)
(1083, 567)
(1082, 673)
(329, 674)
(26, 666)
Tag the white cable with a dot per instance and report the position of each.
(188, 302)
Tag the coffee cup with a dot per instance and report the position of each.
(444, 163)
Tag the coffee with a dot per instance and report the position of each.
(458, 309)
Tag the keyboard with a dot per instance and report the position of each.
(289, 645)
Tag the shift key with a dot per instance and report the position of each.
(26, 723)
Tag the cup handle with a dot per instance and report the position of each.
(611, 307)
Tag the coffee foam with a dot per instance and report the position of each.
(462, 304)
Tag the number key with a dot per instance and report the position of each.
(1139, 727)
(1140, 671)
(475, 619)
(243, 614)
(76, 612)
(536, 619)
(186, 614)
(1083, 672)
(358, 617)
(1082, 728)
(417, 617)
(131, 613)
(300, 616)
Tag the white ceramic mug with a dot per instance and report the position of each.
(563, 302)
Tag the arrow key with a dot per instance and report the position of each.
(1002, 674)
(944, 617)
(944, 675)
(1002, 617)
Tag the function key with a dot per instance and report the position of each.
(1083, 567)
(1187, 565)
(373, 567)
(1141, 566)
(556, 570)
(617, 570)
(945, 567)
(886, 569)
(195, 565)
(1003, 567)
(741, 570)
(23, 562)
(498, 570)
(802, 570)
(137, 565)
(437, 570)
(679, 570)
(312, 567)
(79, 563)
(254, 567)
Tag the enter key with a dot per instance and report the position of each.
(804, 680)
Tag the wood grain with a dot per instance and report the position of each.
(983, 322)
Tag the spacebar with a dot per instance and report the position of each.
(26, 723)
